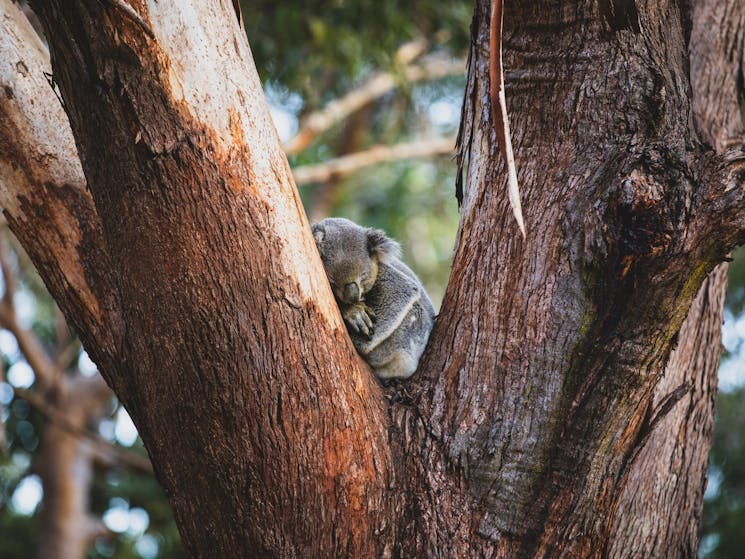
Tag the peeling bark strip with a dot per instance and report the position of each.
(499, 109)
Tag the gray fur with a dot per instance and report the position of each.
(391, 320)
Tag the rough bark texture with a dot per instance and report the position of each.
(548, 379)
(551, 378)
(660, 508)
(658, 511)
(43, 192)
(235, 365)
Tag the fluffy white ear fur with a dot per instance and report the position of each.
(382, 246)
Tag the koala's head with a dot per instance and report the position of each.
(351, 255)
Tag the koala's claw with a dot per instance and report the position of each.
(358, 319)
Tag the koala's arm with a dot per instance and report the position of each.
(389, 301)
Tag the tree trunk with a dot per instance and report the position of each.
(65, 465)
(550, 402)
(553, 393)
(43, 192)
(263, 425)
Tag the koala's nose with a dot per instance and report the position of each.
(351, 293)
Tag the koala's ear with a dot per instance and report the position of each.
(381, 245)
(318, 232)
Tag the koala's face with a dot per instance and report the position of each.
(350, 255)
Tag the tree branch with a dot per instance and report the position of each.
(43, 191)
(348, 164)
(229, 315)
(410, 51)
(734, 193)
(716, 31)
(47, 374)
(378, 85)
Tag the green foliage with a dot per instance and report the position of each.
(320, 49)
(18, 535)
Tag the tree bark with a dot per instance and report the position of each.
(667, 480)
(547, 399)
(43, 191)
(549, 382)
(234, 358)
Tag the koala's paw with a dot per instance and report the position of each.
(359, 319)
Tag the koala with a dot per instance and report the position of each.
(387, 311)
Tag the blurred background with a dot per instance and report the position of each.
(366, 99)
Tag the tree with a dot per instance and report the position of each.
(563, 407)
